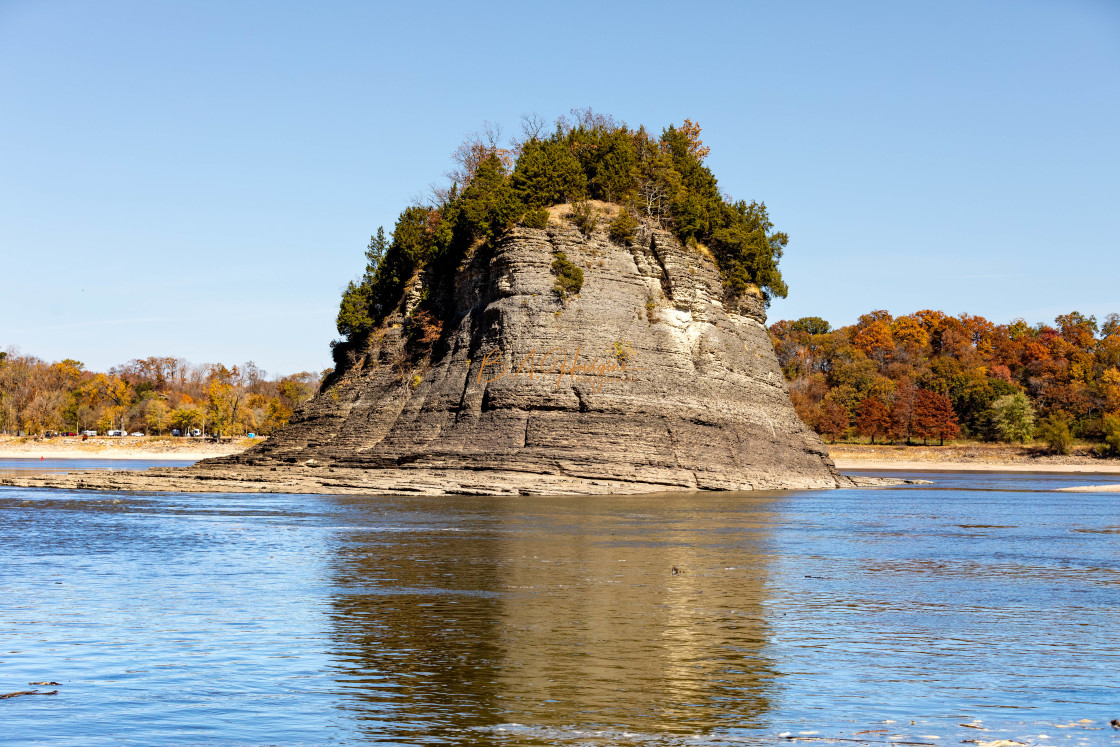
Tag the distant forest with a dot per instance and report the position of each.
(149, 395)
(931, 377)
(657, 180)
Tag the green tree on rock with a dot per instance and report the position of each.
(548, 174)
(490, 205)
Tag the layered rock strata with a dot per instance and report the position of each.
(648, 380)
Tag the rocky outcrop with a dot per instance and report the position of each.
(647, 380)
(647, 376)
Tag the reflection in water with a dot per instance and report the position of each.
(550, 614)
(415, 618)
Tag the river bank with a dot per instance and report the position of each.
(127, 448)
(957, 457)
(981, 457)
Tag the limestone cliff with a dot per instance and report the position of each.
(647, 380)
(648, 376)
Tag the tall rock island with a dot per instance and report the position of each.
(646, 380)
(583, 313)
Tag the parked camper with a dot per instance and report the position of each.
(116, 433)
(89, 433)
(195, 432)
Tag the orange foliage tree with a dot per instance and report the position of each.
(940, 375)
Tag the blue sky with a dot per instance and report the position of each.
(201, 179)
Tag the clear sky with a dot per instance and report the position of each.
(200, 179)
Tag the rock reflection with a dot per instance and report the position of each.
(553, 612)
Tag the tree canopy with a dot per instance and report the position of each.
(930, 375)
(659, 180)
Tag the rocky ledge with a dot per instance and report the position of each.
(650, 379)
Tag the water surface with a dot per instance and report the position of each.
(21, 466)
(717, 618)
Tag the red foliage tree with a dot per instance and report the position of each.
(874, 419)
(902, 409)
(944, 418)
(933, 416)
(833, 420)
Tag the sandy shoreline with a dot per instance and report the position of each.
(130, 448)
(122, 455)
(847, 457)
(967, 457)
(845, 465)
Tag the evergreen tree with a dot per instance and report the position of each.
(490, 205)
(661, 179)
(375, 252)
(354, 311)
(548, 174)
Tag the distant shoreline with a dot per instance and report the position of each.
(847, 457)
(137, 448)
(979, 457)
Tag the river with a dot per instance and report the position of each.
(984, 606)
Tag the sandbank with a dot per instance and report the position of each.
(920, 466)
(137, 448)
(967, 457)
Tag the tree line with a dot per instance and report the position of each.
(153, 395)
(659, 180)
(930, 376)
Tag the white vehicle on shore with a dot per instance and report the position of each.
(116, 433)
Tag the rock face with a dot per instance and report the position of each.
(646, 381)
(646, 378)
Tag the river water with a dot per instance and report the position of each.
(918, 614)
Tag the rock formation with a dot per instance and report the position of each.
(648, 380)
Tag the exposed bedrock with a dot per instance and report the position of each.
(649, 378)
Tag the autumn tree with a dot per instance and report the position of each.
(834, 420)
(476, 148)
(157, 415)
(223, 406)
(874, 418)
(690, 131)
(873, 336)
(276, 416)
(1070, 368)
(934, 416)
(185, 417)
(1111, 325)
(297, 389)
(902, 410)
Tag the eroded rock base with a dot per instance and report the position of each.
(204, 478)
